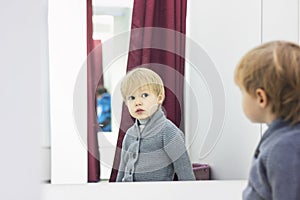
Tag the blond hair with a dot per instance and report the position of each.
(274, 67)
(141, 77)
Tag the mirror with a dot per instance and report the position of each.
(203, 147)
(114, 20)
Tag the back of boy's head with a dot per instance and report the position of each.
(142, 77)
(274, 67)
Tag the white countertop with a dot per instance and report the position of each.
(206, 190)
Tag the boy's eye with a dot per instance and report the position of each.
(144, 95)
(130, 98)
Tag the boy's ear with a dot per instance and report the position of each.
(261, 97)
(160, 99)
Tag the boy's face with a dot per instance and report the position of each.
(142, 103)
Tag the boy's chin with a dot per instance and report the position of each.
(142, 118)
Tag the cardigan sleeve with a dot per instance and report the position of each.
(121, 170)
(175, 148)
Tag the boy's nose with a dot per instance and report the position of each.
(138, 102)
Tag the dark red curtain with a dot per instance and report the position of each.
(94, 78)
(165, 14)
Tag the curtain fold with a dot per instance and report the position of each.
(166, 14)
(94, 78)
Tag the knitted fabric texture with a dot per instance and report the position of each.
(155, 154)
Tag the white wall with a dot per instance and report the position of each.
(280, 20)
(22, 39)
(67, 55)
(225, 30)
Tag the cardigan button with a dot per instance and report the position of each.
(130, 171)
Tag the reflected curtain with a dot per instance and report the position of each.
(94, 78)
(167, 14)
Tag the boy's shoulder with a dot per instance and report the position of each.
(170, 129)
(130, 129)
(169, 125)
(289, 136)
(285, 143)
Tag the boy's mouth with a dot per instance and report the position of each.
(139, 111)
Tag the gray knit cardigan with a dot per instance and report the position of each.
(274, 173)
(154, 154)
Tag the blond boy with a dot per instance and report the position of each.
(153, 148)
(269, 79)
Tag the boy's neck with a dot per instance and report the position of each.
(270, 117)
(143, 121)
